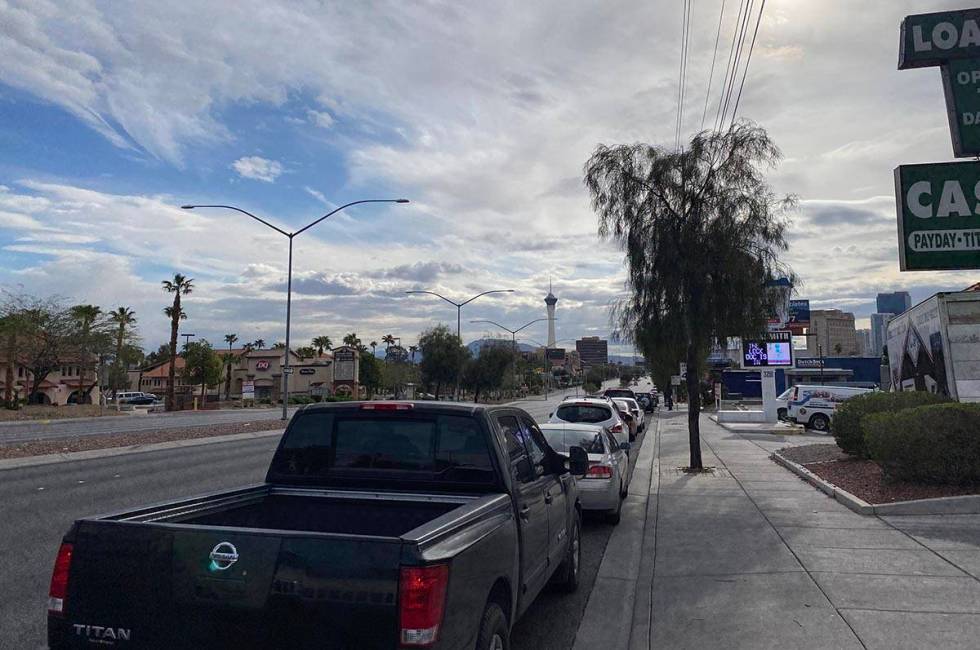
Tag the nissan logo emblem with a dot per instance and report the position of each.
(223, 556)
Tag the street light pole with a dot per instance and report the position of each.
(459, 311)
(286, 367)
(513, 338)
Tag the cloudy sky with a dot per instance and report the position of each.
(112, 115)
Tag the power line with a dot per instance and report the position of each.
(738, 60)
(681, 77)
(711, 75)
(748, 60)
(728, 66)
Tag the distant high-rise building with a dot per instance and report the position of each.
(551, 301)
(592, 351)
(879, 331)
(894, 303)
(834, 333)
(864, 343)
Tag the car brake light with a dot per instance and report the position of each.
(421, 600)
(617, 428)
(59, 581)
(599, 471)
(386, 406)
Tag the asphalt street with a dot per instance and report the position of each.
(38, 504)
(17, 432)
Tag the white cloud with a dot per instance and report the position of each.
(323, 119)
(258, 168)
(317, 195)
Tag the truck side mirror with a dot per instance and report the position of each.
(625, 446)
(578, 461)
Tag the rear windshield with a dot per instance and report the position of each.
(587, 413)
(351, 446)
(619, 392)
(561, 441)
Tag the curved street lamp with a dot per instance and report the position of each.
(513, 333)
(286, 368)
(459, 305)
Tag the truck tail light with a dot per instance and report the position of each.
(421, 601)
(599, 471)
(59, 581)
(386, 406)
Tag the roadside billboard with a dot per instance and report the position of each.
(799, 316)
(776, 350)
(938, 208)
(916, 355)
(932, 39)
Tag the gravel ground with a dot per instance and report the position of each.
(29, 413)
(85, 443)
(863, 479)
(821, 453)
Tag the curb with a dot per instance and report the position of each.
(960, 505)
(92, 454)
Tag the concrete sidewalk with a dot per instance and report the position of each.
(752, 556)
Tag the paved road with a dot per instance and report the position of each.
(58, 429)
(37, 504)
(12, 433)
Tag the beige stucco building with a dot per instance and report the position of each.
(834, 333)
(63, 385)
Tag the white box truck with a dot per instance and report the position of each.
(935, 346)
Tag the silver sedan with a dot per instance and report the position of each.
(606, 483)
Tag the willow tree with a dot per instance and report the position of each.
(702, 232)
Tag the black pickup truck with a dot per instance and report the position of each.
(380, 525)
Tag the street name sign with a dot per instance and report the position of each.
(933, 39)
(938, 216)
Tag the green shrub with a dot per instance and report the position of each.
(300, 399)
(848, 425)
(932, 444)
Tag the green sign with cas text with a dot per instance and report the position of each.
(938, 216)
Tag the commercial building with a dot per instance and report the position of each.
(834, 333)
(864, 343)
(592, 351)
(879, 328)
(895, 302)
(63, 385)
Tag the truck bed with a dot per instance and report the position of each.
(306, 510)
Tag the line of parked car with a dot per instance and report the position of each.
(135, 397)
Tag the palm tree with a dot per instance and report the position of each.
(413, 349)
(86, 317)
(388, 340)
(322, 343)
(180, 285)
(278, 345)
(374, 345)
(230, 339)
(352, 340)
(122, 318)
(259, 344)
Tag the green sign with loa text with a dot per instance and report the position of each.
(938, 216)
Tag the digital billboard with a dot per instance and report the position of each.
(776, 350)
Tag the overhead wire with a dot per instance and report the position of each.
(737, 62)
(682, 74)
(714, 55)
(728, 66)
(748, 60)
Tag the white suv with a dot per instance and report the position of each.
(591, 410)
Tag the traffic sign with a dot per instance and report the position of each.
(938, 216)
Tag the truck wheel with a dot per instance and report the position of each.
(820, 422)
(781, 414)
(566, 577)
(493, 629)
